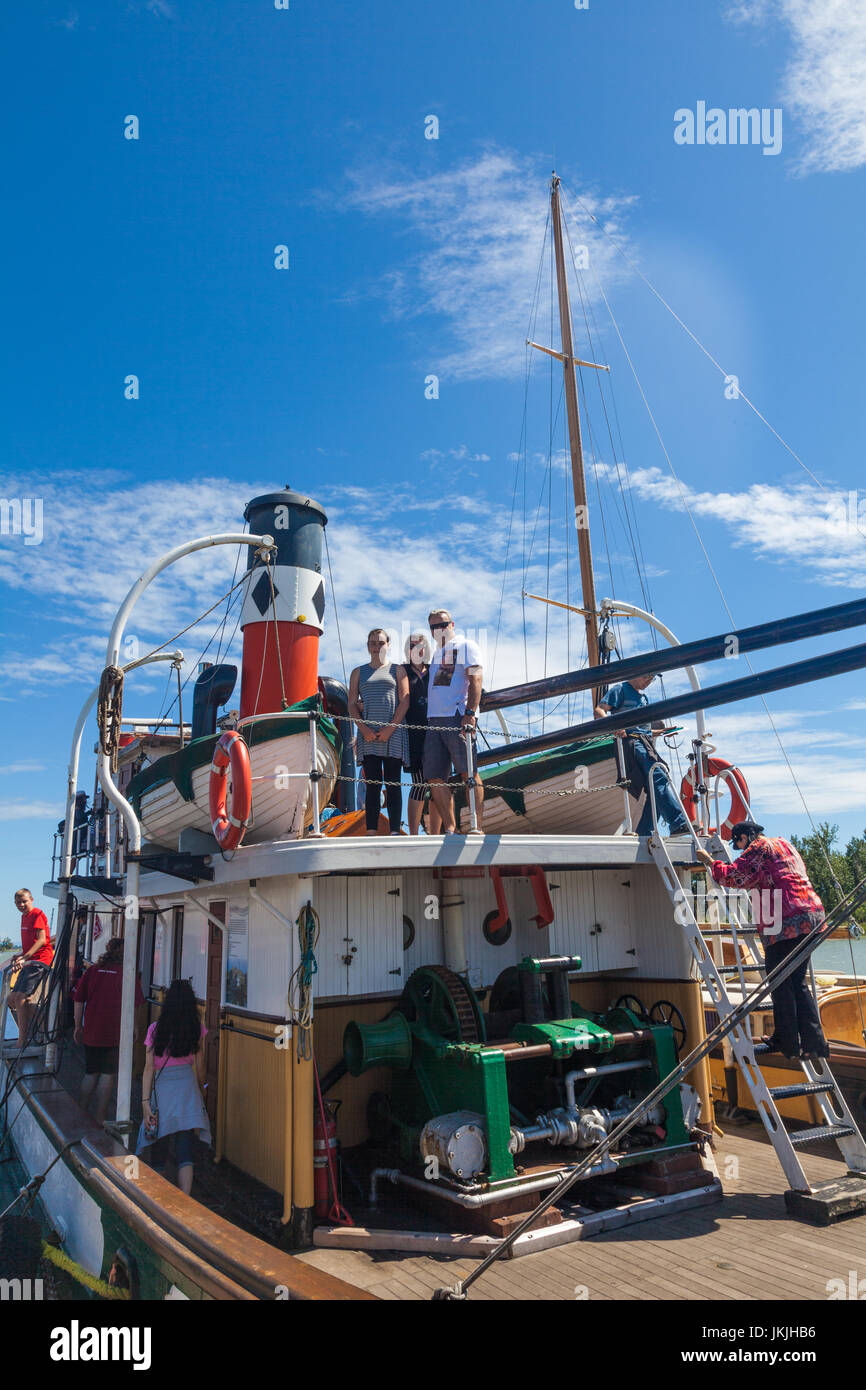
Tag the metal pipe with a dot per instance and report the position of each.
(628, 610)
(133, 827)
(588, 1073)
(316, 831)
(762, 683)
(470, 765)
(69, 828)
(474, 1200)
(520, 1053)
(747, 639)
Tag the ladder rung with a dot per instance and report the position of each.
(811, 1136)
(735, 969)
(803, 1088)
(728, 931)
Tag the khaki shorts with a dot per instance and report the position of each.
(32, 981)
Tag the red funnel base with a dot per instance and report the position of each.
(262, 692)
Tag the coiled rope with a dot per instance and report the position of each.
(301, 983)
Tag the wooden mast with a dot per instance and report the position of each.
(581, 509)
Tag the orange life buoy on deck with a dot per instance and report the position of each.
(737, 786)
(230, 752)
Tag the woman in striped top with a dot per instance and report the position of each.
(378, 700)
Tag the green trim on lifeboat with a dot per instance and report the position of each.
(179, 767)
(515, 776)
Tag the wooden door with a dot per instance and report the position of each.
(213, 1002)
(614, 930)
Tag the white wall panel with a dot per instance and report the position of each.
(195, 939)
(418, 887)
(269, 950)
(329, 900)
(574, 905)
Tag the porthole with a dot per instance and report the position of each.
(408, 932)
(495, 938)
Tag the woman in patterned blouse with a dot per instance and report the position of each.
(785, 907)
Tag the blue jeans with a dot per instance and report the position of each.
(667, 808)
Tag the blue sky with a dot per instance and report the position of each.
(409, 257)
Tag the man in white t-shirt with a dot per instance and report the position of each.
(453, 696)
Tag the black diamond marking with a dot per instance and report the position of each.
(319, 601)
(261, 594)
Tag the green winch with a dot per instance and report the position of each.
(474, 1091)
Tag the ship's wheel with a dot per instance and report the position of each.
(444, 1003)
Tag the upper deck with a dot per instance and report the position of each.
(400, 854)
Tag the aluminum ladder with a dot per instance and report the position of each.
(818, 1080)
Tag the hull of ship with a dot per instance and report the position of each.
(109, 1210)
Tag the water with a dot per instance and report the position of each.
(835, 958)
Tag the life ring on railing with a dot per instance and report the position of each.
(737, 786)
(230, 753)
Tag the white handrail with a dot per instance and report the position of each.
(133, 827)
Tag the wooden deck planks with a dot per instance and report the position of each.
(674, 1258)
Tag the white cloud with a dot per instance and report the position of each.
(19, 769)
(30, 810)
(442, 549)
(815, 528)
(480, 228)
(823, 85)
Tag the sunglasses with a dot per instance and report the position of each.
(434, 627)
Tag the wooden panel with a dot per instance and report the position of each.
(354, 1092)
(255, 1099)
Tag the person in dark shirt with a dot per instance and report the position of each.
(642, 760)
(97, 1000)
(417, 668)
(34, 962)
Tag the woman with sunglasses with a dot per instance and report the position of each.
(418, 652)
(785, 907)
(378, 701)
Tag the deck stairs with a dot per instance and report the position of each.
(818, 1081)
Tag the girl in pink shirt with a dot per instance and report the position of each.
(171, 1088)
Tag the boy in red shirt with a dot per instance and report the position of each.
(34, 962)
(98, 998)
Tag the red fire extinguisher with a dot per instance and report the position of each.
(324, 1161)
(324, 1157)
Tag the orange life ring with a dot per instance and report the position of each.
(230, 753)
(737, 786)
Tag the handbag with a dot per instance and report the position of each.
(151, 1124)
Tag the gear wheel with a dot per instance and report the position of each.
(444, 1002)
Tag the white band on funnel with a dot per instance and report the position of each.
(300, 596)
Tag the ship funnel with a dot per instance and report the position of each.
(282, 624)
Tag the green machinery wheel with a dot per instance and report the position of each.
(633, 1004)
(444, 1003)
(663, 1011)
